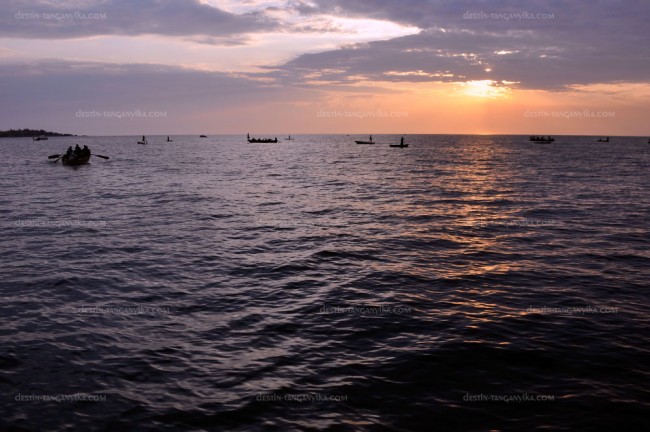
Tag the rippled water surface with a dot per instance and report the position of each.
(211, 284)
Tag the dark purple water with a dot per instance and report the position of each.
(467, 283)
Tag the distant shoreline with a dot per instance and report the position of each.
(28, 133)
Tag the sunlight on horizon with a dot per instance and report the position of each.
(485, 89)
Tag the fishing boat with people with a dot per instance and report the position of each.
(400, 145)
(541, 139)
(76, 157)
(75, 160)
(261, 140)
(370, 141)
(603, 140)
(144, 140)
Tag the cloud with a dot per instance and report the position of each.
(65, 20)
(538, 44)
(51, 92)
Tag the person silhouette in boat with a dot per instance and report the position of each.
(401, 142)
(370, 138)
(85, 151)
(77, 150)
(69, 152)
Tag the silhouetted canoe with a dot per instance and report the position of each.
(603, 140)
(541, 139)
(74, 160)
(399, 145)
(262, 140)
(202, 136)
(364, 142)
(39, 138)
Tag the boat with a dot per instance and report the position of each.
(541, 139)
(400, 145)
(603, 140)
(261, 140)
(168, 140)
(370, 141)
(289, 138)
(72, 158)
(39, 138)
(144, 140)
(203, 136)
(75, 160)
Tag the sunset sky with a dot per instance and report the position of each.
(320, 66)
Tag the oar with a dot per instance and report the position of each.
(103, 157)
(57, 159)
(54, 156)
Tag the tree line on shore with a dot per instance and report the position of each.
(17, 133)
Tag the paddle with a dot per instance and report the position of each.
(103, 157)
(57, 159)
(54, 156)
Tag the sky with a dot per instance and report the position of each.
(126, 67)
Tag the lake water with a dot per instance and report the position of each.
(464, 283)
